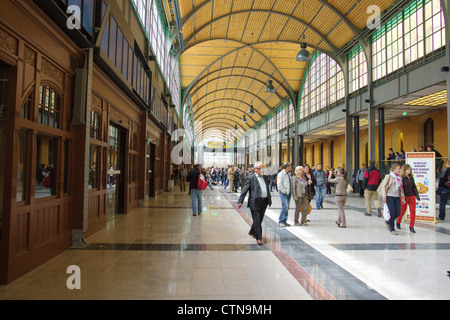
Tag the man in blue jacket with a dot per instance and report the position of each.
(321, 179)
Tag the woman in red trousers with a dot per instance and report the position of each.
(411, 194)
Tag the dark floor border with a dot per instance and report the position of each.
(173, 247)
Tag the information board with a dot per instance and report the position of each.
(423, 167)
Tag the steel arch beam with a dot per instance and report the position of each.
(317, 32)
(224, 125)
(232, 89)
(243, 76)
(238, 120)
(356, 31)
(222, 128)
(193, 44)
(259, 113)
(186, 90)
(233, 108)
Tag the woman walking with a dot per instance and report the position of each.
(411, 194)
(299, 184)
(310, 189)
(393, 195)
(341, 182)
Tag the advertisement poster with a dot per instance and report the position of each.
(423, 168)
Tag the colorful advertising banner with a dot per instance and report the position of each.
(424, 170)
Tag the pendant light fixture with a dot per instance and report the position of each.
(244, 119)
(270, 88)
(252, 110)
(303, 55)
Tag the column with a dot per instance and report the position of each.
(295, 153)
(81, 199)
(348, 124)
(381, 139)
(301, 150)
(280, 154)
(356, 142)
(293, 148)
(446, 11)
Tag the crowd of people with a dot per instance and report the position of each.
(397, 191)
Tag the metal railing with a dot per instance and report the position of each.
(385, 166)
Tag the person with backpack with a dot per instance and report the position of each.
(195, 189)
(444, 191)
(371, 181)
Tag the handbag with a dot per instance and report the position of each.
(349, 188)
(387, 185)
(309, 208)
(386, 214)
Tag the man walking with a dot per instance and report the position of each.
(284, 188)
(259, 198)
(182, 173)
(371, 181)
(359, 180)
(231, 171)
(321, 179)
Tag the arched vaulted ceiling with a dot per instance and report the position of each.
(233, 47)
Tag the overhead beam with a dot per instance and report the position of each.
(238, 120)
(232, 89)
(235, 75)
(186, 91)
(233, 108)
(231, 99)
(356, 31)
(306, 24)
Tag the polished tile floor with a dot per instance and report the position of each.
(161, 251)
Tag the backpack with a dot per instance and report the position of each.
(377, 176)
(202, 184)
(47, 181)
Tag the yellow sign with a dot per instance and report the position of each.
(217, 144)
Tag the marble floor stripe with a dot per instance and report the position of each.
(392, 246)
(173, 247)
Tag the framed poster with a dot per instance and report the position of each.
(423, 168)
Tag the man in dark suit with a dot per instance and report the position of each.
(259, 198)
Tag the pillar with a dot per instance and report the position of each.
(381, 139)
(356, 142)
(81, 199)
(301, 156)
(446, 11)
